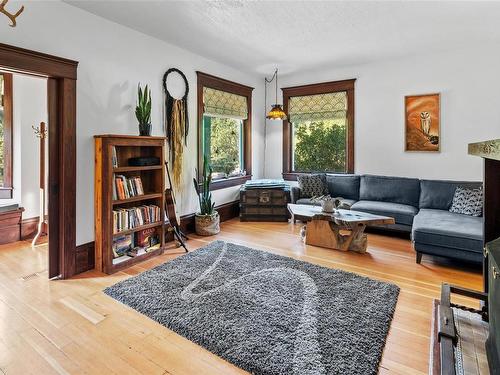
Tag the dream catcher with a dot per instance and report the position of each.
(176, 125)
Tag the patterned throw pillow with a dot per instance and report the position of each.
(312, 185)
(468, 201)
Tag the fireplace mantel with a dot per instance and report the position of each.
(487, 149)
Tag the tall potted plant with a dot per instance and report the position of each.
(143, 110)
(207, 220)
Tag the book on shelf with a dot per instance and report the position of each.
(114, 158)
(127, 187)
(122, 244)
(148, 239)
(132, 217)
(137, 251)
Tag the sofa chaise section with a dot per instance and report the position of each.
(436, 231)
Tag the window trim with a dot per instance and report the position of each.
(207, 80)
(313, 89)
(6, 189)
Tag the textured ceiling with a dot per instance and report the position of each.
(256, 36)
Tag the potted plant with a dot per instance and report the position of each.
(207, 220)
(143, 110)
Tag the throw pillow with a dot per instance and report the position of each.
(467, 201)
(312, 185)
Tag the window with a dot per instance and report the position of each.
(5, 135)
(319, 133)
(224, 115)
(223, 144)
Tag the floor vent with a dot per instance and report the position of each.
(31, 276)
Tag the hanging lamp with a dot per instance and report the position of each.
(276, 112)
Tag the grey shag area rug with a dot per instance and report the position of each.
(267, 314)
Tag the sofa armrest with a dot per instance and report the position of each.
(295, 194)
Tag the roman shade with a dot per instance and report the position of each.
(224, 104)
(329, 106)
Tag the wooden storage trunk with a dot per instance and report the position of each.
(264, 204)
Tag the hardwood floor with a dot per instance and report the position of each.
(71, 327)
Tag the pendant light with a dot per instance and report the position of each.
(276, 112)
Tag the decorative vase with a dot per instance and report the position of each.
(145, 130)
(328, 206)
(207, 225)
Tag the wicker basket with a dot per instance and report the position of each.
(207, 225)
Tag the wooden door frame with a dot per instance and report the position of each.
(61, 77)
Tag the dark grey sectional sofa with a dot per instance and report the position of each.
(420, 207)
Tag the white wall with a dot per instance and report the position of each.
(30, 108)
(468, 81)
(113, 60)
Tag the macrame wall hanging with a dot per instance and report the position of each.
(176, 125)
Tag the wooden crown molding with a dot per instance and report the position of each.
(20, 59)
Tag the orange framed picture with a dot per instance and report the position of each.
(422, 123)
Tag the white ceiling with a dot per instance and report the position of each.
(256, 36)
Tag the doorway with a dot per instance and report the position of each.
(61, 75)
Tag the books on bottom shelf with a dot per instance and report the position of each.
(132, 245)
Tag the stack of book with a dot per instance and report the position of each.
(121, 246)
(132, 245)
(129, 218)
(126, 187)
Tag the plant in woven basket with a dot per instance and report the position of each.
(143, 110)
(207, 220)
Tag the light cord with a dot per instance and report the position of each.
(266, 81)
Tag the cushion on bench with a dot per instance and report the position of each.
(390, 189)
(343, 185)
(447, 229)
(438, 194)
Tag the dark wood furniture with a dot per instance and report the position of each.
(314, 89)
(207, 80)
(490, 152)
(10, 225)
(61, 97)
(153, 181)
(264, 204)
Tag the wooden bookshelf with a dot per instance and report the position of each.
(153, 182)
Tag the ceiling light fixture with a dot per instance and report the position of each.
(276, 112)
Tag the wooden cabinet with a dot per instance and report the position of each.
(112, 156)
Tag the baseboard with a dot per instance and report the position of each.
(85, 257)
(85, 253)
(29, 227)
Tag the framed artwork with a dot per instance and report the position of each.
(422, 123)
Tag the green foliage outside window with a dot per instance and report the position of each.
(223, 144)
(319, 146)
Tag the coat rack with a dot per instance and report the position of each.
(41, 133)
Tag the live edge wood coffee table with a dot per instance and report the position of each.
(343, 230)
